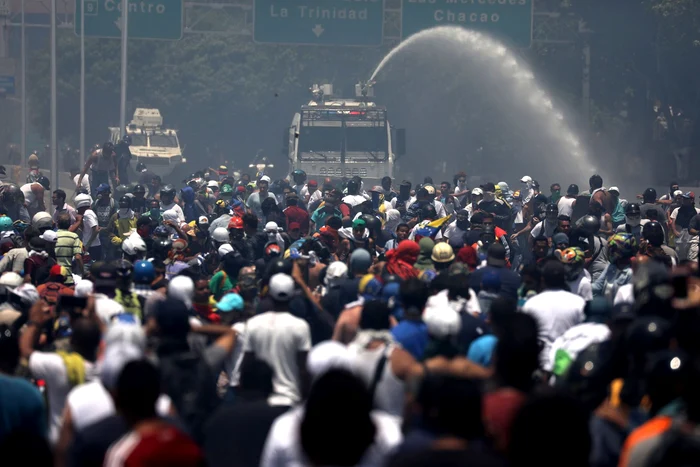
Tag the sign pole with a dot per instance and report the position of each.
(82, 83)
(54, 145)
(23, 123)
(125, 37)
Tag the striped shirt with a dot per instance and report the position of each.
(68, 246)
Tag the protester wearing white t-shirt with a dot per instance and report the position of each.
(555, 309)
(282, 341)
(90, 227)
(52, 367)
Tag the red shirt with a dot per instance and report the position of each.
(298, 215)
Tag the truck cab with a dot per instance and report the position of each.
(151, 143)
(335, 137)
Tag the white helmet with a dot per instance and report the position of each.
(220, 235)
(133, 245)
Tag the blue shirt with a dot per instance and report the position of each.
(22, 407)
(481, 350)
(413, 337)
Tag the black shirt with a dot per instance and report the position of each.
(91, 443)
(510, 281)
(235, 434)
(685, 214)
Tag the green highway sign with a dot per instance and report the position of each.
(319, 22)
(507, 19)
(148, 19)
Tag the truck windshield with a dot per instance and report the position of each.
(164, 141)
(321, 139)
(367, 139)
(138, 140)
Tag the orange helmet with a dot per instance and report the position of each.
(235, 223)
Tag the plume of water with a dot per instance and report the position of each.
(513, 78)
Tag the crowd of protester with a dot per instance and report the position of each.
(237, 320)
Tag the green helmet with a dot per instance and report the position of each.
(5, 224)
(226, 189)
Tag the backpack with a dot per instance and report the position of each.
(191, 385)
(677, 447)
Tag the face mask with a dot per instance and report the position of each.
(633, 221)
(556, 194)
(155, 212)
(124, 212)
(463, 224)
(489, 197)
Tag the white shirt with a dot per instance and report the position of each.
(232, 366)
(544, 228)
(254, 203)
(90, 221)
(454, 233)
(625, 294)
(582, 287)
(84, 184)
(277, 338)
(566, 206)
(354, 200)
(175, 207)
(89, 403)
(555, 311)
(49, 366)
(65, 208)
(283, 446)
(575, 340)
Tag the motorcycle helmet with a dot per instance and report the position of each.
(124, 268)
(5, 223)
(373, 224)
(299, 176)
(622, 246)
(43, 181)
(140, 167)
(653, 233)
(124, 202)
(649, 194)
(573, 259)
(353, 187)
(134, 245)
(167, 192)
(235, 223)
(127, 140)
(162, 247)
(633, 209)
(590, 224)
(11, 194)
(138, 188)
(161, 231)
(107, 148)
(551, 211)
(144, 272)
(220, 235)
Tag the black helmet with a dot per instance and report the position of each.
(124, 202)
(587, 377)
(648, 334)
(372, 223)
(428, 212)
(353, 186)
(649, 195)
(138, 188)
(43, 181)
(127, 140)
(161, 247)
(572, 190)
(551, 209)
(124, 268)
(299, 173)
(12, 194)
(590, 224)
(653, 233)
(107, 147)
(167, 190)
(632, 209)
(140, 166)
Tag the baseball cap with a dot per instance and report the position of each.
(281, 287)
(213, 184)
(490, 187)
(678, 193)
(496, 255)
(49, 236)
(230, 302)
(560, 238)
(294, 226)
(687, 195)
(83, 201)
(477, 192)
(203, 220)
(359, 222)
(615, 189)
(526, 179)
(313, 183)
(443, 253)
(265, 178)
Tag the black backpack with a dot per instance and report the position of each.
(677, 448)
(191, 384)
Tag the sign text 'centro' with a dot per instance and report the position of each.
(319, 22)
(136, 7)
